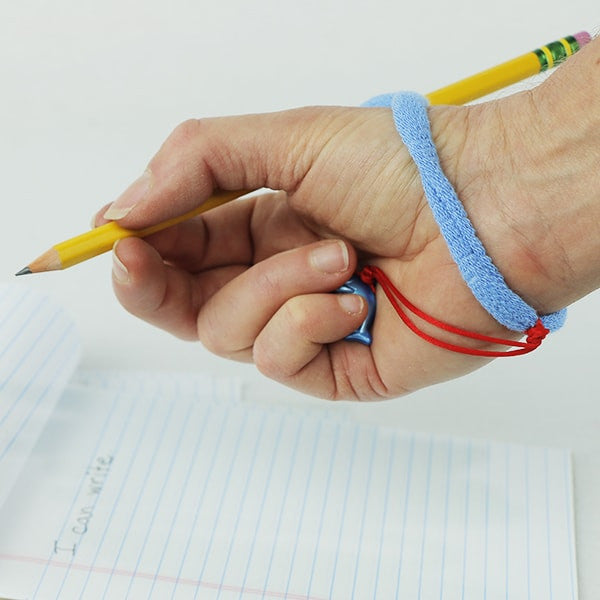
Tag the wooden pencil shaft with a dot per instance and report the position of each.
(488, 81)
(102, 239)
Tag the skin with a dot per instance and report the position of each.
(251, 279)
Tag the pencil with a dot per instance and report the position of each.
(512, 71)
(102, 239)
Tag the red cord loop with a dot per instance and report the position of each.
(371, 275)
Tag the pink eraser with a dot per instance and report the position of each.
(583, 38)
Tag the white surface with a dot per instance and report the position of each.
(90, 90)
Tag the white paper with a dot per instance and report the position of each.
(39, 349)
(164, 494)
(146, 485)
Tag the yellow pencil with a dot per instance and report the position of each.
(510, 72)
(102, 239)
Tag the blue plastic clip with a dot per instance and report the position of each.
(355, 285)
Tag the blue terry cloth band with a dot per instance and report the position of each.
(479, 272)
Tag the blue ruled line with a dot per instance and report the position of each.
(302, 510)
(407, 486)
(487, 520)
(425, 515)
(282, 507)
(37, 402)
(161, 436)
(222, 500)
(386, 498)
(201, 498)
(344, 506)
(506, 522)
(158, 501)
(21, 362)
(365, 505)
(569, 515)
(263, 501)
(182, 493)
(528, 524)
(465, 537)
(446, 511)
(548, 524)
(244, 495)
(332, 458)
(124, 482)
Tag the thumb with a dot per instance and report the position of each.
(229, 153)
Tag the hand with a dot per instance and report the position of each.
(251, 279)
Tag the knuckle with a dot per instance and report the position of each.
(186, 131)
(266, 361)
(270, 350)
(297, 318)
(210, 333)
(140, 299)
(184, 135)
(301, 319)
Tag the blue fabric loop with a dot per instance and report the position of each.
(409, 111)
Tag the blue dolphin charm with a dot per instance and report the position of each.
(355, 285)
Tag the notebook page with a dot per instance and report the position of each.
(190, 495)
(39, 349)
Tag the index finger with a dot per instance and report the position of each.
(244, 231)
(229, 153)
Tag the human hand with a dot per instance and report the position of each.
(251, 279)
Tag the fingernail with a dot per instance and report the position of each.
(330, 257)
(119, 270)
(351, 303)
(130, 197)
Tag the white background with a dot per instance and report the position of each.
(89, 90)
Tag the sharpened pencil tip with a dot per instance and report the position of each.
(24, 271)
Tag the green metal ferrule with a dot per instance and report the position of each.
(572, 42)
(557, 52)
(542, 58)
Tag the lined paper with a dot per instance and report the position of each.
(180, 490)
(39, 349)
(149, 485)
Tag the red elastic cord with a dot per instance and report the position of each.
(535, 334)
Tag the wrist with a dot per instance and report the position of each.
(525, 168)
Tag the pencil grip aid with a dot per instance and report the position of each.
(410, 114)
